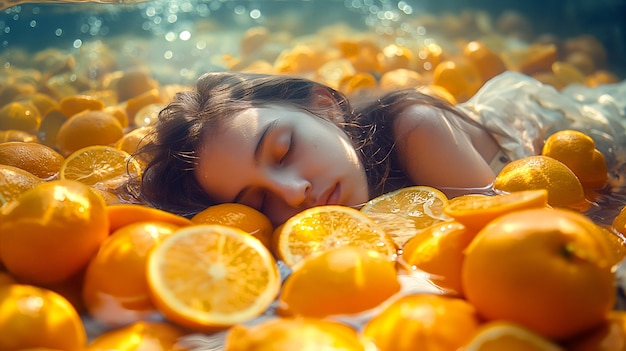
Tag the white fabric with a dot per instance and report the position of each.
(522, 112)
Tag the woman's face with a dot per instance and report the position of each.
(281, 160)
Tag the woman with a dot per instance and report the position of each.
(283, 144)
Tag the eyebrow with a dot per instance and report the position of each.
(257, 153)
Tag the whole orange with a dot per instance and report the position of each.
(88, 128)
(578, 152)
(546, 269)
(434, 322)
(488, 63)
(38, 159)
(115, 287)
(342, 280)
(543, 172)
(460, 77)
(50, 232)
(33, 317)
(22, 116)
(239, 216)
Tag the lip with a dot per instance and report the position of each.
(331, 196)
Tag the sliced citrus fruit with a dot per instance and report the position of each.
(407, 211)
(99, 164)
(502, 335)
(325, 227)
(476, 211)
(212, 276)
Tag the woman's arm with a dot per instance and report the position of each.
(440, 153)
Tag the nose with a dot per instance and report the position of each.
(292, 188)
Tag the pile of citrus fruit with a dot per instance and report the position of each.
(84, 268)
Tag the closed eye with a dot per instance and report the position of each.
(288, 150)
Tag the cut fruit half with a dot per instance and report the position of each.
(99, 164)
(208, 277)
(407, 211)
(321, 228)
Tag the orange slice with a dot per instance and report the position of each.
(476, 211)
(322, 228)
(407, 211)
(99, 164)
(207, 277)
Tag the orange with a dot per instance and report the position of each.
(240, 216)
(543, 172)
(460, 77)
(343, 280)
(394, 57)
(115, 288)
(142, 335)
(610, 335)
(119, 113)
(545, 269)
(400, 78)
(360, 81)
(100, 165)
(123, 214)
(566, 73)
(536, 58)
(434, 322)
(14, 181)
(133, 83)
(211, 276)
(16, 135)
(476, 211)
(578, 152)
(619, 222)
(43, 102)
(131, 141)
(38, 159)
(438, 251)
(71, 105)
(22, 116)
(504, 335)
(88, 128)
(50, 126)
(407, 211)
(322, 228)
(50, 232)
(289, 334)
(488, 63)
(134, 104)
(33, 317)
